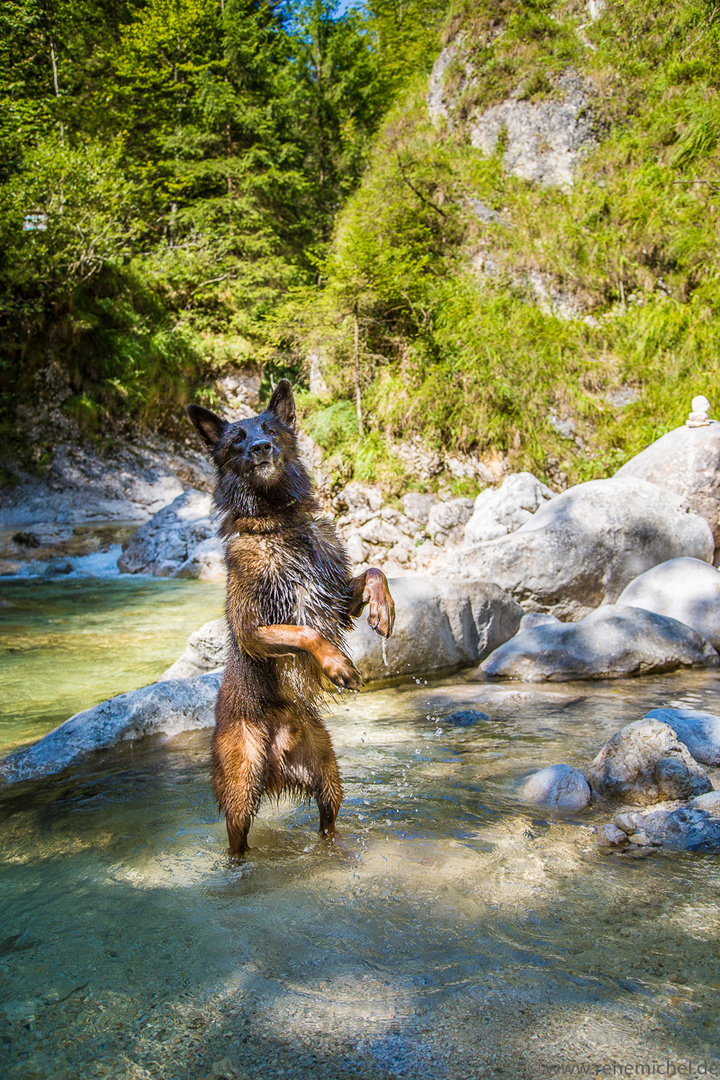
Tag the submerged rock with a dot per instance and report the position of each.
(689, 827)
(686, 461)
(465, 718)
(581, 548)
(165, 708)
(611, 642)
(610, 836)
(179, 541)
(699, 731)
(645, 763)
(559, 787)
(684, 589)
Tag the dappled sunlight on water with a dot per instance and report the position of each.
(450, 932)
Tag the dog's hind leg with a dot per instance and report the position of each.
(313, 768)
(238, 776)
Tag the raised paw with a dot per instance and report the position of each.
(381, 616)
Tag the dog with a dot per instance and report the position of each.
(290, 602)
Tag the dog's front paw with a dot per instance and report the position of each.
(340, 669)
(381, 616)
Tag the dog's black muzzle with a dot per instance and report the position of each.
(261, 451)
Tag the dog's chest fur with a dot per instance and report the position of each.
(296, 576)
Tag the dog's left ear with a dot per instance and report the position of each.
(208, 425)
(282, 403)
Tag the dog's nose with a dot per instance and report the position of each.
(261, 448)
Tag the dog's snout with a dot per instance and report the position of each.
(261, 448)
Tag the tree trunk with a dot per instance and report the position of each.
(358, 395)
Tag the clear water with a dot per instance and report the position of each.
(68, 643)
(450, 933)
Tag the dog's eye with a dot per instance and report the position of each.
(239, 437)
(267, 429)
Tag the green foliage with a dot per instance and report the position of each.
(187, 158)
(456, 344)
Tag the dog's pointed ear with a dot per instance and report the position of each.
(282, 403)
(209, 426)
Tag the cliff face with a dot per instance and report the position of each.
(532, 259)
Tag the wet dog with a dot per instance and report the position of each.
(290, 602)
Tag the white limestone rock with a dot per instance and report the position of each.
(206, 650)
(438, 626)
(684, 589)
(179, 541)
(164, 708)
(581, 548)
(699, 731)
(686, 461)
(611, 642)
(687, 827)
(498, 511)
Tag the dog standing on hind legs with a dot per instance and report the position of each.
(290, 602)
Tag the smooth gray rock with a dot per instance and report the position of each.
(537, 618)
(611, 642)
(709, 802)
(646, 763)
(559, 787)
(499, 511)
(677, 828)
(684, 589)
(205, 651)
(438, 626)
(699, 731)
(581, 548)
(686, 461)
(179, 541)
(165, 708)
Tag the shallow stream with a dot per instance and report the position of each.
(450, 933)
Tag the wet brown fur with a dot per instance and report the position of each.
(290, 602)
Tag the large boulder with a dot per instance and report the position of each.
(611, 642)
(699, 731)
(684, 589)
(165, 708)
(645, 763)
(581, 548)
(179, 541)
(686, 461)
(499, 511)
(438, 626)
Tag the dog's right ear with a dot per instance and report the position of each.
(209, 426)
